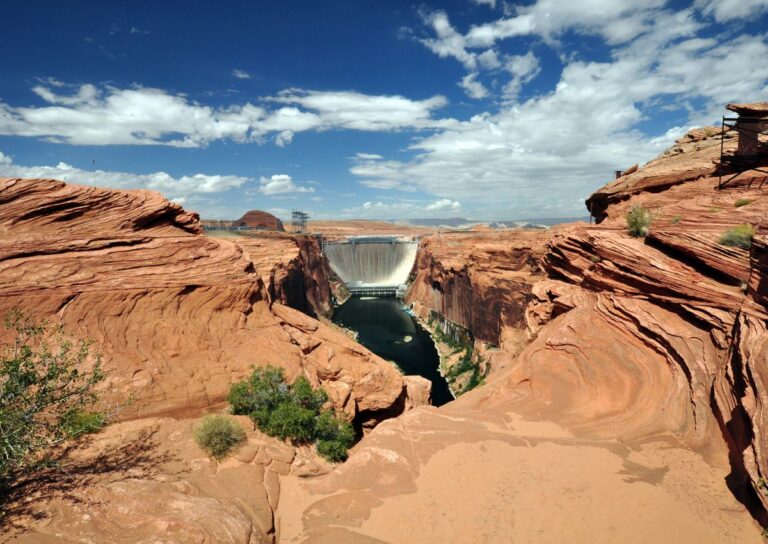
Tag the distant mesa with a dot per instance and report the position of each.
(254, 219)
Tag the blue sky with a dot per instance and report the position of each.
(484, 109)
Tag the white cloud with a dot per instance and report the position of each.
(279, 184)
(284, 138)
(491, 3)
(144, 116)
(523, 69)
(448, 42)
(472, 87)
(444, 204)
(368, 156)
(241, 74)
(488, 34)
(616, 21)
(728, 10)
(356, 111)
(376, 209)
(489, 59)
(545, 154)
(180, 189)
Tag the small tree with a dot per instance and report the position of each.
(45, 391)
(218, 435)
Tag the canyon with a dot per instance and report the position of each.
(625, 377)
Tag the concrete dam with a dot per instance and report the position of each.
(372, 265)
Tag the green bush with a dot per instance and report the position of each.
(258, 396)
(638, 221)
(335, 437)
(78, 422)
(218, 435)
(742, 202)
(44, 392)
(291, 421)
(293, 412)
(740, 236)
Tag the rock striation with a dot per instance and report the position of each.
(657, 345)
(480, 281)
(178, 316)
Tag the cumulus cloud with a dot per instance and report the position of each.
(356, 111)
(89, 115)
(368, 156)
(444, 204)
(522, 68)
(616, 21)
(546, 154)
(179, 189)
(280, 184)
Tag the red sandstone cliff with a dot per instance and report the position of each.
(177, 315)
(655, 344)
(627, 404)
(260, 220)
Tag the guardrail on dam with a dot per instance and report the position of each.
(372, 265)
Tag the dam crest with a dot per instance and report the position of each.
(372, 265)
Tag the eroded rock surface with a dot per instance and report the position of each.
(178, 316)
(656, 345)
(148, 481)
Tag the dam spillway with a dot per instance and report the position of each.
(372, 265)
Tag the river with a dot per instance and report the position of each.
(384, 327)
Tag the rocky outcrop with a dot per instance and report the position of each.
(292, 269)
(260, 220)
(694, 156)
(178, 316)
(480, 281)
(148, 481)
(654, 344)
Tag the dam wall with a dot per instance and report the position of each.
(372, 265)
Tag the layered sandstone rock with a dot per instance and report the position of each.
(657, 345)
(148, 481)
(480, 281)
(692, 157)
(178, 316)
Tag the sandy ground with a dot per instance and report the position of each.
(448, 477)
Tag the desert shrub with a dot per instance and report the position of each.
(259, 395)
(742, 202)
(740, 236)
(218, 435)
(638, 221)
(293, 412)
(335, 437)
(303, 395)
(78, 422)
(676, 219)
(289, 420)
(45, 391)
